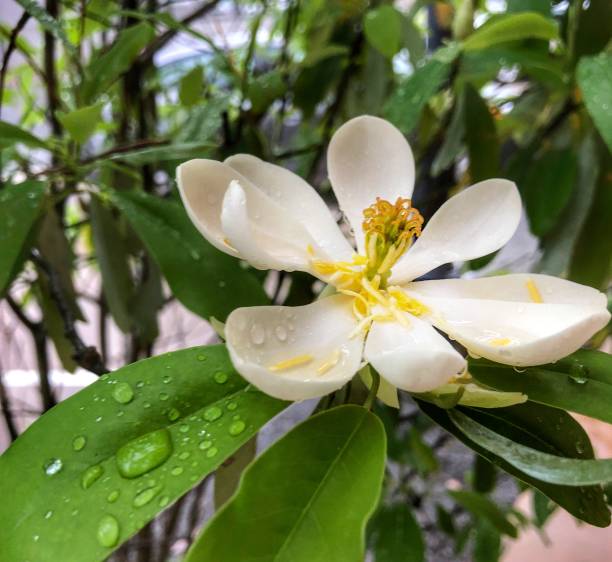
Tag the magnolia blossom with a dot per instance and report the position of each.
(273, 219)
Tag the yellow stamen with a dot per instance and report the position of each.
(500, 342)
(290, 363)
(534, 292)
(330, 363)
(310, 250)
(228, 244)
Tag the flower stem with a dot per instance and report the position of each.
(369, 401)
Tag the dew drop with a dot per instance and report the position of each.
(123, 393)
(146, 405)
(144, 453)
(201, 357)
(98, 419)
(232, 406)
(212, 452)
(79, 442)
(183, 456)
(52, 466)
(176, 471)
(184, 428)
(113, 496)
(163, 396)
(49, 514)
(90, 475)
(173, 414)
(237, 427)
(258, 334)
(205, 445)
(144, 497)
(281, 333)
(36, 538)
(220, 377)
(108, 531)
(163, 501)
(167, 379)
(213, 413)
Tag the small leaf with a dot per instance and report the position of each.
(481, 506)
(451, 147)
(82, 122)
(487, 543)
(163, 153)
(543, 508)
(396, 535)
(204, 279)
(100, 465)
(191, 86)
(512, 27)
(20, 207)
(594, 77)
(539, 465)
(383, 29)
(286, 508)
(264, 89)
(481, 137)
(12, 134)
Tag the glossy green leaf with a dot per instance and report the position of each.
(487, 543)
(512, 27)
(480, 137)
(481, 506)
(580, 383)
(204, 279)
(595, 80)
(382, 27)
(536, 426)
(105, 69)
(544, 467)
(394, 534)
(286, 508)
(12, 134)
(82, 122)
(191, 86)
(96, 468)
(453, 139)
(404, 106)
(20, 207)
(548, 188)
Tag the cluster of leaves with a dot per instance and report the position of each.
(87, 180)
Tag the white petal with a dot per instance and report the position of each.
(473, 223)
(505, 325)
(414, 358)
(368, 158)
(202, 185)
(317, 335)
(300, 201)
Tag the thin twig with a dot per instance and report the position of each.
(7, 411)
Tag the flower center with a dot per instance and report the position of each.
(389, 231)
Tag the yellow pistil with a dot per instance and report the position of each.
(290, 363)
(534, 292)
(500, 342)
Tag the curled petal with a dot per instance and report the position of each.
(368, 158)
(413, 357)
(295, 353)
(472, 224)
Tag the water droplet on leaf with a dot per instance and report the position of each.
(123, 393)
(52, 466)
(91, 475)
(237, 427)
(220, 377)
(144, 453)
(144, 497)
(108, 531)
(213, 413)
(79, 442)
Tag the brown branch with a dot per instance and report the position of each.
(53, 102)
(7, 411)
(84, 355)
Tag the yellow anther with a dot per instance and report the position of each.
(290, 363)
(407, 303)
(534, 292)
(330, 363)
(500, 342)
(310, 250)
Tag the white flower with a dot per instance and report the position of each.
(273, 219)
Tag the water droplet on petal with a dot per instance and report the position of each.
(281, 333)
(123, 393)
(79, 442)
(108, 531)
(258, 334)
(144, 453)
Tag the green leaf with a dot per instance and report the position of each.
(536, 426)
(93, 470)
(484, 475)
(191, 86)
(451, 147)
(20, 207)
(548, 188)
(82, 122)
(47, 22)
(228, 474)
(512, 27)
(382, 27)
(12, 134)
(204, 279)
(105, 69)
(480, 137)
(163, 153)
(543, 508)
(542, 466)
(264, 89)
(394, 534)
(422, 455)
(487, 543)
(593, 31)
(286, 508)
(481, 506)
(202, 124)
(594, 77)
(580, 383)
(404, 106)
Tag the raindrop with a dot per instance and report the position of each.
(205, 445)
(163, 501)
(201, 357)
(98, 419)
(258, 334)
(35, 538)
(91, 475)
(173, 414)
(108, 531)
(212, 452)
(167, 379)
(144, 453)
(123, 393)
(183, 456)
(146, 405)
(113, 496)
(176, 471)
(220, 377)
(213, 413)
(232, 406)
(49, 514)
(237, 427)
(52, 466)
(144, 497)
(184, 428)
(79, 442)
(281, 333)
(194, 254)
(578, 373)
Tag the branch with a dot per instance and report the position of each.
(84, 355)
(7, 411)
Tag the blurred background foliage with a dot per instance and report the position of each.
(105, 98)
